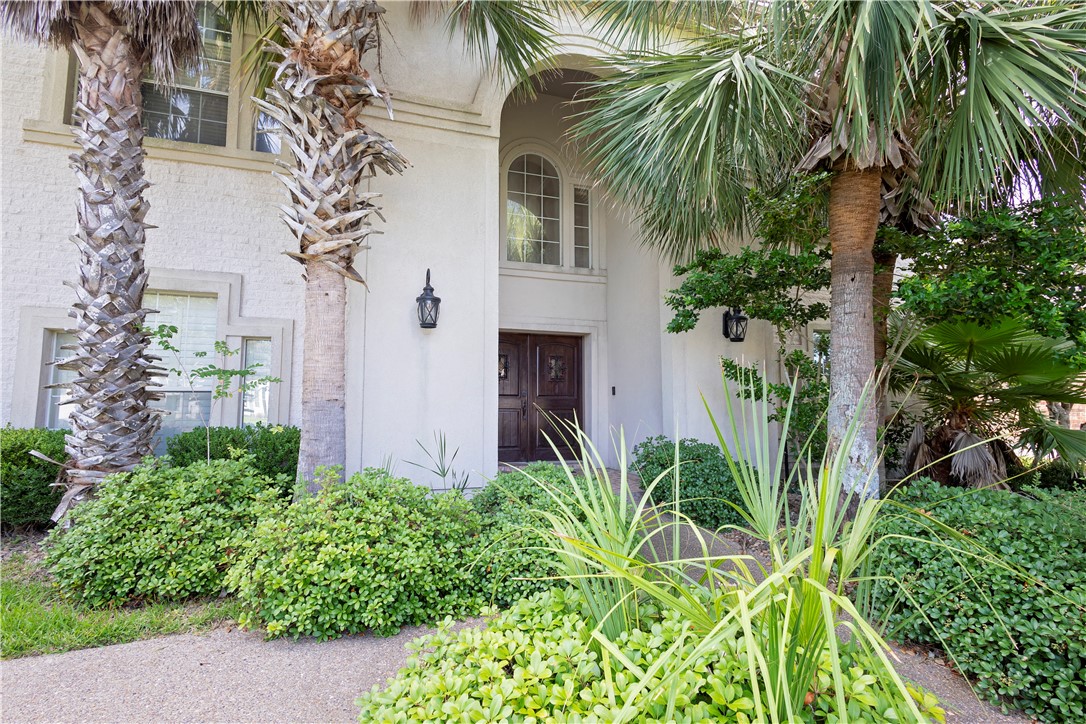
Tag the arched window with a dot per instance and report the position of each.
(545, 222)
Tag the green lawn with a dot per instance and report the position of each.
(36, 619)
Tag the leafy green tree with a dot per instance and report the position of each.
(770, 281)
(901, 101)
(1026, 262)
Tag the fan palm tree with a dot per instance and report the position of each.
(980, 383)
(112, 423)
(308, 67)
(901, 101)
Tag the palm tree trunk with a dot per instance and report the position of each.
(881, 291)
(854, 218)
(324, 421)
(113, 424)
(883, 288)
(318, 97)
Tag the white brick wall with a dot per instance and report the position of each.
(210, 219)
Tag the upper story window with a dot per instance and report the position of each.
(196, 107)
(546, 222)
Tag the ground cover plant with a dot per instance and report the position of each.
(538, 660)
(38, 619)
(25, 481)
(1005, 595)
(707, 490)
(274, 448)
(513, 544)
(161, 532)
(373, 552)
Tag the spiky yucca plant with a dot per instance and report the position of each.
(318, 95)
(113, 424)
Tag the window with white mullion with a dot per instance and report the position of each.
(256, 353)
(57, 413)
(533, 211)
(582, 228)
(196, 318)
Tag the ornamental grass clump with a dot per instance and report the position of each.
(786, 612)
(646, 632)
(158, 533)
(371, 553)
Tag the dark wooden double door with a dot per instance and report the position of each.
(540, 381)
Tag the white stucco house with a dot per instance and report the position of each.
(572, 321)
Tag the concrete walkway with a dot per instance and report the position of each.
(229, 675)
(221, 676)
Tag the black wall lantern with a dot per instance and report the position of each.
(429, 305)
(735, 325)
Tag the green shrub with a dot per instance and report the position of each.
(706, 485)
(158, 533)
(374, 552)
(1018, 632)
(274, 447)
(1060, 475)
(25, 481)
(536, 661)
(518, 560)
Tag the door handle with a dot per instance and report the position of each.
(524, 407)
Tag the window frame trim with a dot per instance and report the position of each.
(54, 128)
(568, 180)
(30, 399)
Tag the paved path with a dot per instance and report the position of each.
(236, 676)
(221, 676)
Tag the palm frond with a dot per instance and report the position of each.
(999, 84)
(866, 85)
(1048, 437)
(258, 59)
(972, 461)
(684, 136)
(517, 39)
(649, 25)
(166, 31)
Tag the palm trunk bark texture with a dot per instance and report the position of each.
(855, 201)
(113, 424)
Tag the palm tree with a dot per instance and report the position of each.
(318, 94)
(317, 91)
(901, 101)
(980, 383)
(112, 424)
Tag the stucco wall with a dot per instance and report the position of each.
(615, 305)
(444, 213)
